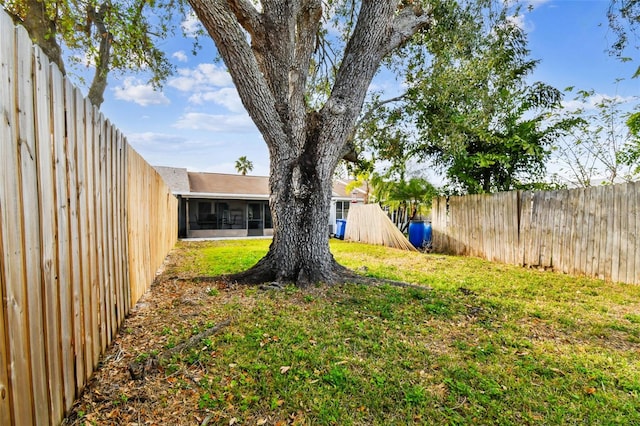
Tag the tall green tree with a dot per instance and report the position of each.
(272, 53)
(472, 111)
(244, 165)
(111, 35)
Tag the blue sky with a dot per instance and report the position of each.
(197, 121)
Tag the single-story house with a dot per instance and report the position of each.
(227, 205)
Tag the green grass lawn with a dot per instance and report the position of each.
(482, 344)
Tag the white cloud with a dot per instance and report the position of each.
(592, 101)
(170, 143)
(180, 56)
(192, 152)
(519, 22)
(201, 152)
(202, 78)
(237, 123)
(191, 25)
(574, 105)
(157, 140)
(227, 97)
(208, 83)
(133, 90)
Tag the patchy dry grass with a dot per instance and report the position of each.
(483, 343)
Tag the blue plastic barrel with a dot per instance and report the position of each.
(341, 226)
(416, 233)
(427, 235)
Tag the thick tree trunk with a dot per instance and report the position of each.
(301, 186)
(270, 69)
(299, 252)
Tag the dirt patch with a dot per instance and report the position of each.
(157, 397)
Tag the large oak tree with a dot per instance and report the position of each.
(268, 49)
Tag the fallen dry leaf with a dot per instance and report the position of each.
(284, 369)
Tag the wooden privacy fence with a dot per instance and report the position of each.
(591, 231)
(85, 223)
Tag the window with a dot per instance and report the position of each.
(342, 209)
(204, 208)
(212, 215)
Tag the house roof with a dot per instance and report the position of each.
(340, 190)
(175, 178)
(224, 186)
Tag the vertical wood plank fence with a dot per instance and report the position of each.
(84, 224)
(589, 231)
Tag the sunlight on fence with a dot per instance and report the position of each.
(590, 231)
(85, 223)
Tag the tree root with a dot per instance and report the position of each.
(138, 369)
(354, 278)
(341, 275)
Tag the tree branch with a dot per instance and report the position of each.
(377, 105)
(361, 60)
(349, 152)
(307, 27)
(247, 15)
(223, 27)
(406, 24)
(99, 82)
(139, 368)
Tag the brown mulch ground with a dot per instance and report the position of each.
(155, 396)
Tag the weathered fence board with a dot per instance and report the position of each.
(5, 407)
(632, 244)
(107, 164)
(30, 225)
(636, 197)
(92, 296)
(100, 233)
(14, 297)
(72, 193)
(6, 90)
(589, 236)
(48, 226)
(118, 215)
(84, 297)
(63, 240)
(616, 237)
(592, 231)
(634, 271)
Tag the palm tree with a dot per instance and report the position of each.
(243, 165)
(405, 198)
